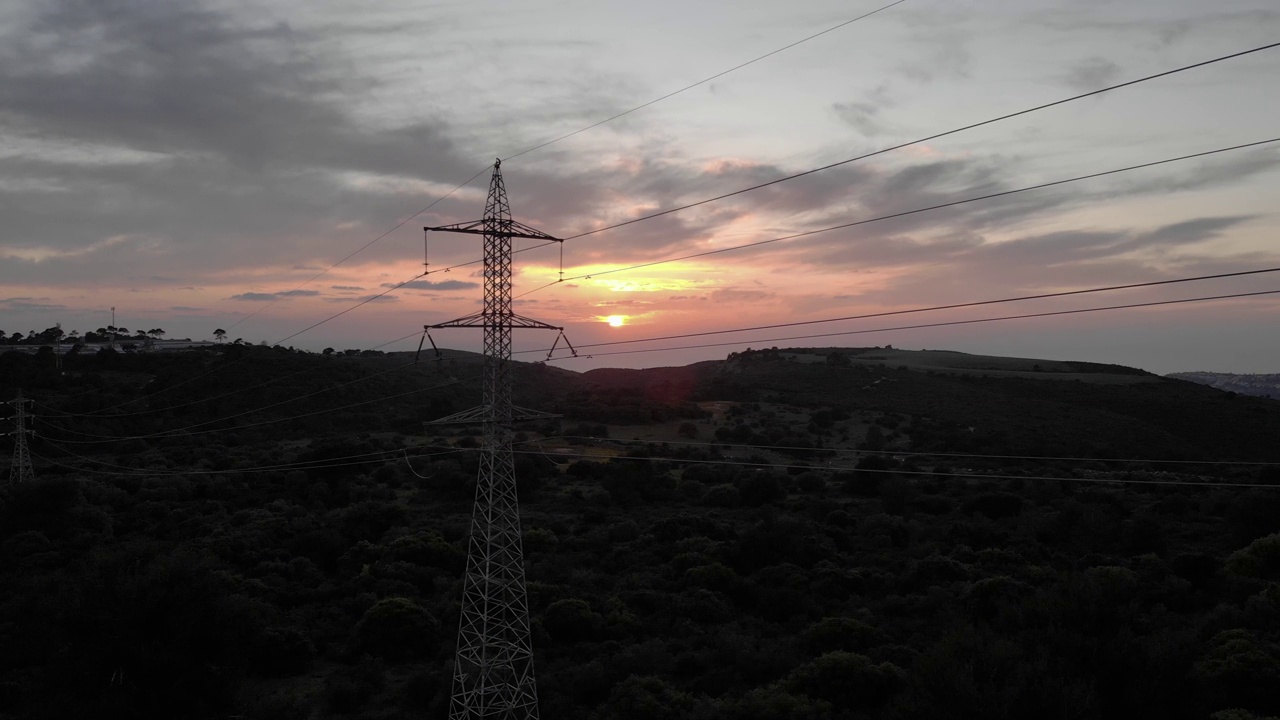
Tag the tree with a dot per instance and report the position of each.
(220, 334)
(846, 680)
(396, 628)
(874, 439)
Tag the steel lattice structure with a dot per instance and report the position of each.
(20, 470)
(493, 669)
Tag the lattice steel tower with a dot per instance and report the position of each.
(493, 670)
(20, 470)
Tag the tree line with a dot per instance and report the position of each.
(56, 335)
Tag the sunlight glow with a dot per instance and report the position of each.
(616, 320)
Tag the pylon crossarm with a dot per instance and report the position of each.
(512, 229)
(475, 415)
(524, 231)
(482, 414)
(482, 320)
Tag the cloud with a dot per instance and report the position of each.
(429, 285)
(941, 53)
(862, 116)
(1187, 232)
(364, 299)
(184, 308)
(734, 295)
(26, 303)
(1092, 74)
(249, 93)
(352, 288)
(1025, 254)
(197, 131)
(258, 297)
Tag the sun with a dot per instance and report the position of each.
(616, 320)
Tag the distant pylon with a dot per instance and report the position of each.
(493, 669)
(20, 470)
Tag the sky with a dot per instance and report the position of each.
(195, 165)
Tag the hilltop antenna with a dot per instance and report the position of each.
(493, 669)
(21, 471)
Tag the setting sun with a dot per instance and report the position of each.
(616, 320)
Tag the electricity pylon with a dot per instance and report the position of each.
(493, 668)
(21, 470)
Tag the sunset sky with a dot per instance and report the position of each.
(192, 162)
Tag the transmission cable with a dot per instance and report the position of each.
(926, 139)
(301, 465)
(362, 248)
(891, 216)
(402, 223)
(166, 434)
(856, 158)
(702, 82)
(921, 326)
(97, 413)
(325, 389)
(962, 456)
(881, 151)
(919, 473)
(362, 303)
(909, 311)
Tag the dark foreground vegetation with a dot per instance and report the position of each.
(170, 575)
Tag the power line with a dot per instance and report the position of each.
(97, 414)
(701, 82)
(922, 473)
(301, 465)
(166, 433)
(699, 334)
(183, 432)
(309, 327)
(168, 408)
(447, 449)
(891, 216)
(967, 456)
(926, 139)
(861, 157)
(762, 185)
(438, 200)
(934, 308)
(255, 410)
(925, 325)
(362, 248)
(362, 303)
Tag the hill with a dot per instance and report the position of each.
(1258, 385)
(265, 533)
